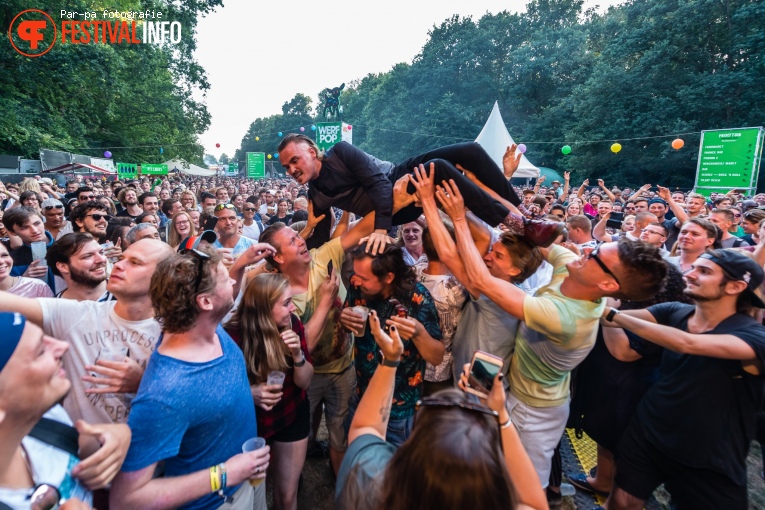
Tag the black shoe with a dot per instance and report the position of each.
(319, 450)
(554, 499)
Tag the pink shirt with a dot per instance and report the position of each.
(31, 288)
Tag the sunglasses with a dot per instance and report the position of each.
(470, 406)
(88, 197)
(249, 209)
(44, 497)
(220, 207)
(559, 215)
(49, 207)
(201, 259)
(99, 217)
(594, 256)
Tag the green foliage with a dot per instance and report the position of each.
(647, 68)
(105, 95)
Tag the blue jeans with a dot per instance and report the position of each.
(398, 430)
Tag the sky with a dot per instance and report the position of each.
(259, 54)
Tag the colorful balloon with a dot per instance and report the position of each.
(566, 149)
(161, 150)
(302, 129)
(257, 138)
(107, 154)
(313, 128)
(276, 155)
(677, 144)
(522, 149)
(217, 146)
(280, 133)
(268, 156)
(350, 127)
(616, 147)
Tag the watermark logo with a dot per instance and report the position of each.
(32, 33)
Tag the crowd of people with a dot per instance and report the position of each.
(172, 342)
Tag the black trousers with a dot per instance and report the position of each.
(470, 156)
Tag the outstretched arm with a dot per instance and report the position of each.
(509, 297)
(29, 308)
(606, 191)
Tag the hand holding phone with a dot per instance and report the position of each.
(330, 268)
(483, 369)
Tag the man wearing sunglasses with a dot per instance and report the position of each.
(85, 194)
(39, 471)
(228, 230)
(55, 223)
(558, 324)
(194, 410)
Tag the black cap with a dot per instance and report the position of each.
(739, 267)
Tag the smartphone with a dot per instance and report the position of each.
(483, 369)
(615, 220)
(210, 223)
(39, 249)
(330, 268)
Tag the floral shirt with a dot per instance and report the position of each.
(409, 374)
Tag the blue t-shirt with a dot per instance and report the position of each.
(241, 245)
(192, 415)
(371, 454)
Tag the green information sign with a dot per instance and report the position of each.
(153, 169)
(256, 165)
(126, 170)
(729, 159)
(233, 169)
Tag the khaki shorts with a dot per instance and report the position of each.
(335, 390)
(247, 497)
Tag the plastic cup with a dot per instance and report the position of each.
(364, 312)
(275, 377)
(251, 445)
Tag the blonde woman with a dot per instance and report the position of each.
(180, 227)
(188, 200)
(272, 338)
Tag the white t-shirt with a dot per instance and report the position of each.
(49, 465)
(251, 231)
(89, 327)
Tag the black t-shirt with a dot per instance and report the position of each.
(701, 412)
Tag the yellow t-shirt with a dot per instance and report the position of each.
(333, 351)
(556, 336)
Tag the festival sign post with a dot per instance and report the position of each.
(329, 133)
(153, 169)
(256, 165)
(126, 170)
(232, 170)
(729, 159)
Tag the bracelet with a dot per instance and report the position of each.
(223, 477)
(300, 363)
(214, 479)
(611, 315)
(506, 424)
(389, 363)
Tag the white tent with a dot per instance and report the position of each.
(178, 165)
(495, 139)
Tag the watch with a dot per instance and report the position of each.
(300, 363)
(611, 315)
(389, 363)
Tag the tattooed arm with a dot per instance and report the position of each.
(374, 409)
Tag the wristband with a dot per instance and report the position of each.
(506, 424)
(611, 315)
(389, 363)
(214, 479)
(300, 363)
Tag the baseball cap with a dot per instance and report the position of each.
(192, 243)
(12, 326)
(51, 202)
(739, 267)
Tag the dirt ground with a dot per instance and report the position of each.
(317, 490)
